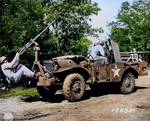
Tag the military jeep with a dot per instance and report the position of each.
(72, 73)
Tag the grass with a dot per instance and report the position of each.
(18, 91)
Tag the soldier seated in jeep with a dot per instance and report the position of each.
(98, 53)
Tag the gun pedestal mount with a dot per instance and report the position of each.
(43, 81)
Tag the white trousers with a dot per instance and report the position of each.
(22, 70)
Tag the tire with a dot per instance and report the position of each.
(128, 83)
(74, 87)
(46, 92)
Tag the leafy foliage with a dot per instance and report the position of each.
(70, 21)
(23, 20)
(132, 28)
(20, 21)
(79, 47)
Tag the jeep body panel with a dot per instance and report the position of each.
(140, 67)
(62, 74)
(114, 72)
(75, 70)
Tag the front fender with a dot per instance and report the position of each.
(62, 73)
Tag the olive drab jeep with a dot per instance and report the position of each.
(72, 73)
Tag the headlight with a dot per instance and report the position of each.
(144, 69)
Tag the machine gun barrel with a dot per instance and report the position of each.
(26, 46)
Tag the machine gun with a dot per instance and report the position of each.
(36, 62)
(25, 47)
(4, 82)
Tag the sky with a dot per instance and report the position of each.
(109, 10)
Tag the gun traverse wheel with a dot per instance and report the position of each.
(128, 83)
(74, 87)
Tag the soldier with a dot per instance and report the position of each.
(89, 51)
(97, 52)
(7, 68)
(98, 55)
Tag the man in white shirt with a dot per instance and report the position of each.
(97, 52)
(98, 55)
(21, 69)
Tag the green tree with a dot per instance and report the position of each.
(132, 28)
(70, 21)
(24, 19)
(20, 21)
(78, 47)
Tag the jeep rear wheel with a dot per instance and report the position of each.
(128, 83)
(74, 87)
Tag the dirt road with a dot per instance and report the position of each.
(105, 105)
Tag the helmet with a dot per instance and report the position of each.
(101, 42)
(2, 59)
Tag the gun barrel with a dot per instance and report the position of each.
(26, 46)
(42, 32)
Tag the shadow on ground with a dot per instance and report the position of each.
(95, 91)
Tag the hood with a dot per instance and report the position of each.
(69, 57)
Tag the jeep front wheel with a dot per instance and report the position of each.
(128, 83)
(74, 87)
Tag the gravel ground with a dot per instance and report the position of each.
(105, 105)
